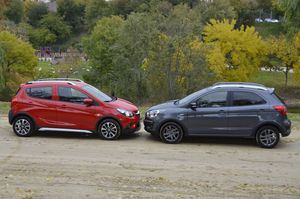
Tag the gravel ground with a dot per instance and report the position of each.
(68, 165)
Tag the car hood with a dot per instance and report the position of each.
(168, 104)
(123, 104)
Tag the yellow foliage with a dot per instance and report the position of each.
(233, 54)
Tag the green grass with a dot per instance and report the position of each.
(4, 107)
(274, 79)
(294, 117)
(269, 29)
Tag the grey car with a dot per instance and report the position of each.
(233, 109)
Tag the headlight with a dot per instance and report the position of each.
(152, 114)
(124, 112)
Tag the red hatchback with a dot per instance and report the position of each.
(70, 105)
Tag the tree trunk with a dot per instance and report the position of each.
(286, 73)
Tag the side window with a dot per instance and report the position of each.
(216, 99)
(40, 92)
(246, 99)
(68, 94)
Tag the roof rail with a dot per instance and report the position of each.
(238, 83)
(60, 79)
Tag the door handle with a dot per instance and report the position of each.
(63, 106)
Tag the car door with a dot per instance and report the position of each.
(72, 113)
(41, 105)
(244, 112)
(209, 117)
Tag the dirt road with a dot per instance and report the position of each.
(64, 165)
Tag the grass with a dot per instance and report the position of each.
(274, 79)
(4, 107)
(269, 29)
(294, 117)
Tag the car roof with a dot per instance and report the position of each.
(247, 85)
(57, 81)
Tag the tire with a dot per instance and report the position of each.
(23, 126)
(267, 137)
(171, 133)
(109, 129)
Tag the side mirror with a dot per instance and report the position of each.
(88, 102)
(194, 105)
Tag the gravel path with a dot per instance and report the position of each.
(68, 165)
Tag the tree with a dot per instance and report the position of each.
(233, 54)
(96, 9)
(36, 11)
(3, 6)
(56, 25)
(291, 10)
(15, 11)
(72, 12)
(17, 61)
(217, 9)
(100, 48)
(41, 37)
(247, 11)
(288, 52)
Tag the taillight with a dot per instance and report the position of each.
(281, 109)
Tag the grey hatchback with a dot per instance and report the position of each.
(234, 109)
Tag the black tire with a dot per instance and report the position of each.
(267, 137)
(109, 129)
(174, 135)
(23, 126)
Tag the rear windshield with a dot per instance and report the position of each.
(278, 98)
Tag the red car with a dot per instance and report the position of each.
(70, 105)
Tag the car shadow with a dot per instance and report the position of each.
(211, 140)
(59, 134)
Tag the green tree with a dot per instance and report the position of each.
(72, 12)
(217, 9)
(291, 10)
(15, 11)
(95, 10)
(100, 48)
(233, 54)
(17, 63)
(56, 25)
(36, 11)
(41, 37)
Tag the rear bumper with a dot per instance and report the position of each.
(10, 117)
(287, 128)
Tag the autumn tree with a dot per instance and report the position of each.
(17, 62)
(233, 54)
(288, 53)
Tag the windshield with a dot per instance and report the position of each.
(190, 97)
(98, 94)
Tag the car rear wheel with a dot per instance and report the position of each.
(171, 133)
(23, 126)
(109, 129)
(267, 137)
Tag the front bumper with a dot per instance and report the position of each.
(133, 127)
(150, 125)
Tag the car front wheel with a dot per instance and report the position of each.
(267, 137)
(23, 126)
(171, 133)
(109, 129)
